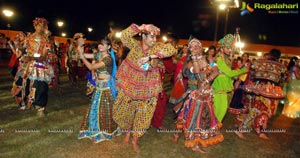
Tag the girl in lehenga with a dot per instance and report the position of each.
(292, 108)
(197, 118)
(98, 124)
(180, 81)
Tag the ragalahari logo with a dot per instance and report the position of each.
(246, 9)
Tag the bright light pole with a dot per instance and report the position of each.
(60, 23)
(90, 29)
(223, 5)
(8, 13)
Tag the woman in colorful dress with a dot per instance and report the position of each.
(98, 123)
(197, 118)
(292, 108)
(138, 81)
(191, 85)
(180, 81)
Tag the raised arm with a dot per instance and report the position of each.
(89, 65)
(127, 36)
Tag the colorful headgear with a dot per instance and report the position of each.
(194, 40)
(78, 35)
(152, 31)
(37, 21)
(227, 41)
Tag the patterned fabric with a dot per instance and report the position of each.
(40, 72)
(191, 85)
(268, 70)
(197, 118)
(263, 96)
(22, 68)
(260, 111)
(227, 41)
(36, 45)
(136, 82)
(20, 90)
(138, 89)
(133, 115)
(98, 124)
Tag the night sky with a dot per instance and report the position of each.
(182, 17)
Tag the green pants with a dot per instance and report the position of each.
(221, 103)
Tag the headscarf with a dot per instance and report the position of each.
(227, 41)
(194, 40)
(78, 35)
(37, 21)
(112, 80)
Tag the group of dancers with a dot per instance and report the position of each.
(125, 98)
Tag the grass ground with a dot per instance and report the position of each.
(23, 134)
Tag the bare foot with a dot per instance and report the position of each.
(240, 135)
(198, 149)
(41, 113)
(175, 138)
(135, 145)
(126, 138)
(263, 136)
